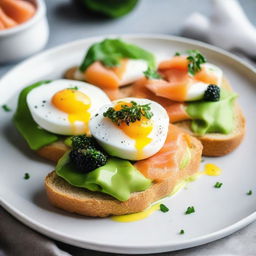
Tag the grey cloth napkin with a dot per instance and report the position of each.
(19, 240)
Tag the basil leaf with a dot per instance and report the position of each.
(111, 51)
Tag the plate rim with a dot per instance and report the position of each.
(161, 247)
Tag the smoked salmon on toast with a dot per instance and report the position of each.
(198, 99)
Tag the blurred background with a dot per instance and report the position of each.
(68, 21)
(74, 19)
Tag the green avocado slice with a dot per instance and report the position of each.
(35, 136)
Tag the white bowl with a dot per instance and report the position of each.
(27, 38)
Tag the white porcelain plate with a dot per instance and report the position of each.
(219, 212)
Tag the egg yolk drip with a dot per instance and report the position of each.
(75, 104)
(212, 170)
(138, 131)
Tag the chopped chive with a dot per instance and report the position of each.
(129, 113)
(73, 88)
(163, 208)
(182, 232)
(190, 210)
(6, 108)
(218, 184)
(249, 193)
(26, 176)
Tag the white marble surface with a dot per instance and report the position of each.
(67, 23)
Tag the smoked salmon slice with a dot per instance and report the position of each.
(19, 10)
(207, 77)
(1, 25)
(175, 90)
(120, 70)
(101, 76)
(5, 20)
(166, 163)
(177, 62)
(104, 77)
(175, 110)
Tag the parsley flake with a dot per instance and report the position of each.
(218, 184)
(249, 193)
(26, 176)
(152, 74)
(129, 113)
(6, 108)
(195, 59)
(163, 208)
(182, 232)
(73, 88)
(190, 210)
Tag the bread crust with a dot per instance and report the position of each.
(54, 151)
(219, 144)
(78, 200)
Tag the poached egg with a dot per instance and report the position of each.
(65, 106)
(138, 140)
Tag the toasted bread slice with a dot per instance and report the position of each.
(216, 144)
(54, 151)
(78, 200)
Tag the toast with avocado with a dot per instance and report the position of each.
(68, 197)
(201, 101)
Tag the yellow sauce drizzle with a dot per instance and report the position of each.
(212, 170)
(209, 169)
(137, 216)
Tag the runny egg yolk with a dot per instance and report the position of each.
(75, 104)
(138, 130)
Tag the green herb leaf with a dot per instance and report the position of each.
(111, 51)
(195, 59)
(128, 114)
(6, 108)
(152, 74)
(73, 88)
(163, 208)
(190, 210)
(182, 232)
(218, 184)
(26, 176)
(249, 193)
(177, 54)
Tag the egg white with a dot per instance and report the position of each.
(48, 117)
(118, 144)
(134, 71)
(196, 90)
